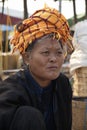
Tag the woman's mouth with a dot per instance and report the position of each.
(53, 68)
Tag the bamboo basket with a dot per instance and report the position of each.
(9, 61)
(79, 114)
(80, 82)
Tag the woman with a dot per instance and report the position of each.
(39, 96)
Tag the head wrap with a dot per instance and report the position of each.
(41, 23)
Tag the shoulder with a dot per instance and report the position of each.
(63, 84)
(63, 79)
(14, 84)
(16, 77)
(15, 81)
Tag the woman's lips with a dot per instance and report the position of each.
(53, 68)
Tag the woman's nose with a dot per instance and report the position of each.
(53, 58)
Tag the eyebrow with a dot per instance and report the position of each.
(59, 48)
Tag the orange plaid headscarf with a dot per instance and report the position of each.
(41, 23)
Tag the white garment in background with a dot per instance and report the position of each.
(79, 56)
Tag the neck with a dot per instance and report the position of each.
(42, 82)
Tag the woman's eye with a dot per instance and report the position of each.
(59, 53)
(45, 53)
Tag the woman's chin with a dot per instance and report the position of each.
(53, 76)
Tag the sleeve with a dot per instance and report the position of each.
(10, 100)
(69, 104)
(65, 93)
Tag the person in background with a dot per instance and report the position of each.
(39, 96)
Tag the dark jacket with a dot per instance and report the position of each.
(14, 94)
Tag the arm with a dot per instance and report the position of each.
(11, 97)
(64, 93)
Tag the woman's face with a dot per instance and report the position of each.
(46, 59)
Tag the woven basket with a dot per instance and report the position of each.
(9, 61)
(80, 82)
(79, 114)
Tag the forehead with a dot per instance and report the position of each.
(48, 42)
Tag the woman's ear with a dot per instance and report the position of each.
(26, 57)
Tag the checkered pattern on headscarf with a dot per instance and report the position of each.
(41, 23)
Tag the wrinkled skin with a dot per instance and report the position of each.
(45, 61)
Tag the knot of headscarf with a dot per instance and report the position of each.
(41, 23)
